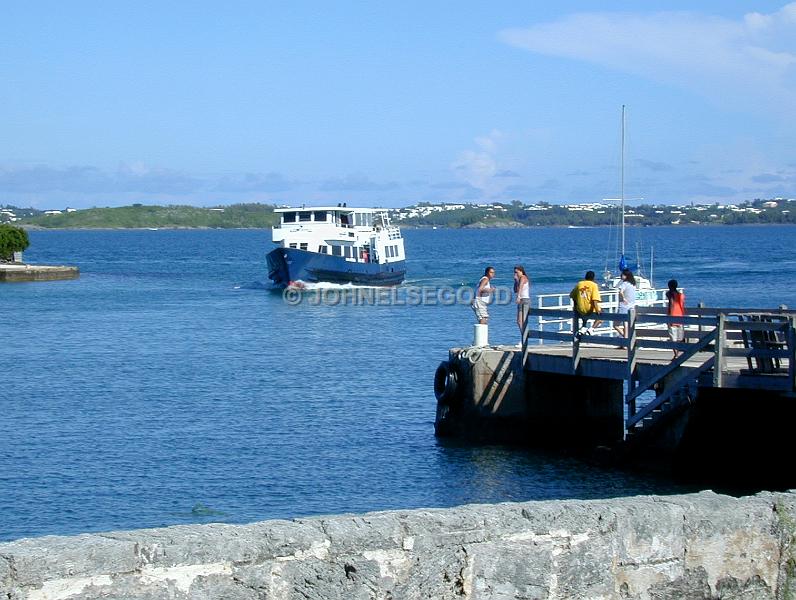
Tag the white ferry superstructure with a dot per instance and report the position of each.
(336, 244)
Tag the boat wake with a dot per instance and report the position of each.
(254, 285)
(322, 285)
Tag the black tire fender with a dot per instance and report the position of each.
(446, 383)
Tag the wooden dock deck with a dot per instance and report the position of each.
(739, 348)
(611, 363)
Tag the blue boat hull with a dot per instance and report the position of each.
(288, 265)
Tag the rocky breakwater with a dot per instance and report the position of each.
(692, 546)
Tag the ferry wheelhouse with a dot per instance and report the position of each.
(336, 244)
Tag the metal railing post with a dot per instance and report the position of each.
(631, 359)
(525, 318)
(718, 363)
(792, 357)
(575, 340)
(700, 304)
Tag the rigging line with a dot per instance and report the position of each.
(622, 178)
(610, 240)
(614, 226)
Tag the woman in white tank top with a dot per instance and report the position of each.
(483, 294)
(522, 291)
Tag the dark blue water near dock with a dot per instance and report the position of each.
(169, 376)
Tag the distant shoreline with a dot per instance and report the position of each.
(406, 227)
(457, 216)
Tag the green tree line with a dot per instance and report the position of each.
(498, 214)
(140, 216)
(543, 214)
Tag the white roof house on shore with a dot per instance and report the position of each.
(7, 215)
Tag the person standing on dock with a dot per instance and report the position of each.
(627, 298)
(483, 296)
(586, 300)
(676, 309)
(522, 292)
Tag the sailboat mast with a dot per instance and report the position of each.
(622, 179)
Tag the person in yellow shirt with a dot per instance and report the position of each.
(586, 300)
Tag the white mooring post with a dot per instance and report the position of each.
(480, 335)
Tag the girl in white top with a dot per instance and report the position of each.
(483, 294)
(627, 298)
(522, 290)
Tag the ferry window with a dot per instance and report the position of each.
(293, 245)
(323, 249)
(368, 220)
(389, 251)
(395, 250)
(344, 220)
(289, 217)
(303, 246)
(305, 216)
(320, 216)
(337, 250)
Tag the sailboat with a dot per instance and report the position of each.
(646, 294)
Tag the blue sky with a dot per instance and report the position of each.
(393, 103)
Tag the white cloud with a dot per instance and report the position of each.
(254, 182)
(479, 167)
(84, 179)
(749, 62)
(356, 183)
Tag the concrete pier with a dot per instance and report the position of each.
(721, 412)
(498, 400)
(23, 272)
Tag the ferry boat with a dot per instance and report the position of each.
(336, 244)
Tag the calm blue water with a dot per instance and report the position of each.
(169, 375)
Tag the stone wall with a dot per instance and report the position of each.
(692, 546)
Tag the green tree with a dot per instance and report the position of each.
(12, 239)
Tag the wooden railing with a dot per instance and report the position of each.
(610, 302)
(713, 337)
